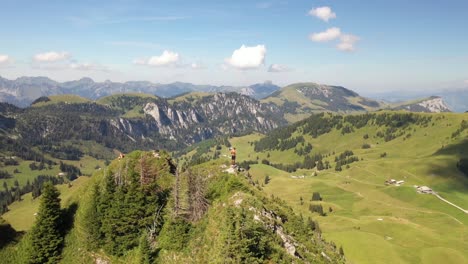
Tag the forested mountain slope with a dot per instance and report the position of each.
(140, 210)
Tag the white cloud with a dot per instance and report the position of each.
(278, 68)
(167, 58)
(466, 83)
(5, 59)
(347, 42)
(52, 56)
(324, 13)
(246, 58)
(329, 34)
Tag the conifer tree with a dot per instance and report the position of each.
(145, 250)
(46, 238)
(93, 219)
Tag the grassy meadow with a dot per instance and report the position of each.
(374, 222)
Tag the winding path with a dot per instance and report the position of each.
(452, 204)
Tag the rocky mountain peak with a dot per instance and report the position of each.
(435, 104)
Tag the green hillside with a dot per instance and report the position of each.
(325, 178)
(109, 100)
(191, 97)
(137, 211)
(299, 100)
(374, 222)
(130, 104)
(55, 99)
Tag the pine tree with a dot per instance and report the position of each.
(93, 219)
(46, 238)
(145, 250)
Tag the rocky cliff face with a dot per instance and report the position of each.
(160, 124)
(433, 104)
(213, 115)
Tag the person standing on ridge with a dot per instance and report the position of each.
(233, 157)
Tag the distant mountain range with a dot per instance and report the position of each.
(24, 90)
(298, 100)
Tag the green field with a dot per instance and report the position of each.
(21, 214)
(372, 221)
(109, 100)
(376, 223)
(65, 98)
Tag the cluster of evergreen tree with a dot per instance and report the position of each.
(319, 124)
(11, 194)
(9, 161)
(463, 126)
(5, 174)
(316, 196)
(400, 120)
(64, 152)
(366, 146)
(322, 123)
(317, 208)
(290, 143)
(345, 158)
(303, 150)
(347, 129)
(72, 172)
(274, 138)
(462, 165)
(247, 163)
(309, 162)
(19, 148)
(359, 121)
(129, 201)
(41, 165)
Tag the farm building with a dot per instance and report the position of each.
(425, 189)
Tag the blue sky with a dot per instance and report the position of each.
(368, 46)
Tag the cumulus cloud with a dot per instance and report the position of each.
(278, 68)
(325, 36)
(347, 42)
(167, 58)
(324, 13)
(52, 56)
(5, 59)
(246, 58)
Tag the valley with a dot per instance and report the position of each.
(234, 132)
(345, 159)
(373, 221)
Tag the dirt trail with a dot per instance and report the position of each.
(452, 204)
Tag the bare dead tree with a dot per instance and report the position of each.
(118, 175)
(148, 173)
(157, 223)
(176, 194)
(198, 204)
